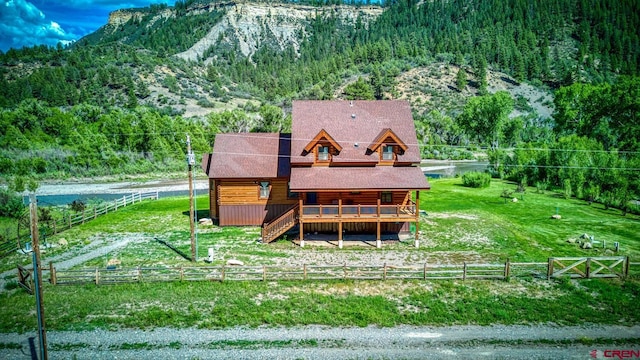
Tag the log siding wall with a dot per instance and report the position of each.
(237, 202)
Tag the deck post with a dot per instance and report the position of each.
(417, 235)
(300, 204)
(378, 237)
(340, 240)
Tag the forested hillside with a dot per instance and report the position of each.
(121, 100)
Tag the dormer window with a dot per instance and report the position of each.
(387, 153)
(323, 153)
(323, 147)
(388, 146)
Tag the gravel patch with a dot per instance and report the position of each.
(319, 342)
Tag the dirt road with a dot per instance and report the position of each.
(317, 342)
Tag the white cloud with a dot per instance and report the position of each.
(23, 24)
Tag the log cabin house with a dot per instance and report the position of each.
(347, 167)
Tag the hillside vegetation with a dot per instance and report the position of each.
(121, 100)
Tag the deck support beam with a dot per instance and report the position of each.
(417, 238)
(301, 223)
(340, 242)
(378, 237)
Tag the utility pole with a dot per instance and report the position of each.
(37, 272)
(191, 160)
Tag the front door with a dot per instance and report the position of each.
(312, 198)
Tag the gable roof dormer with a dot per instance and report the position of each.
(386, 136)
(322, 138)
(369, 127)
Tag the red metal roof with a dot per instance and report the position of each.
(354, 125)
(249, 155)
(358, 178)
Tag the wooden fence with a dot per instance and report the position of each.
(89, 214)
(10, 246)
(465, 271)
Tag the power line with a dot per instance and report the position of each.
(524, 166)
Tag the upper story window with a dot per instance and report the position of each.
(387, 153)
(323, 153)
(264, 189)
(386, 197)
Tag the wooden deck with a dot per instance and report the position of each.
(358, 213)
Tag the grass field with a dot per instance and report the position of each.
(461, 224)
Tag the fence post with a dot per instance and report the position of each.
(52, 273)
(83, 216)
(587, 269)
(54, 227)
(95, 212)
(222, 278)
(181, 273)
(304, 269)
(116, 202)
(69, 220)
(424, 272)
(384, 272)
(139, 274)
(124, 200)
(97, 276)
(464, 271)
(507, 269)
(626, 267)
(550, 268)
(344, 271)
(264, 273)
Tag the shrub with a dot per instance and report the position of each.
(566, 187)
(476, 179)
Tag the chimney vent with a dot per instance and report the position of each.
(353, 116)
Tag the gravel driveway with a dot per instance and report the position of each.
(319, 342)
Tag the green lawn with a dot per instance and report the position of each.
(335, 303)
(461, 224)
(522, 230)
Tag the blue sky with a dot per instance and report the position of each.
(35, 22)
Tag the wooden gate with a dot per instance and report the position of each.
(24, 279)
(589, 267)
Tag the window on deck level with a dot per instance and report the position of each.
(387, 152)
(264, 190)
(386, 197)
(323, 153)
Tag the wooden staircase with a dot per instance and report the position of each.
(280, 225)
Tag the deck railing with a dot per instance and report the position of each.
(358, 211)
(280, 225)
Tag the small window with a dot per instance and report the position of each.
(264, 190)
(323, 153)
(387, 152)
(386, 197)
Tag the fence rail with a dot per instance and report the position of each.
(10, 246)
(102, 209)
(464, 271)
